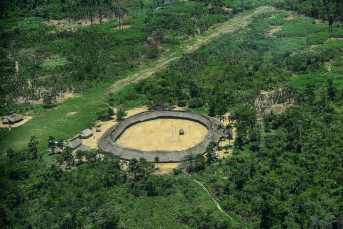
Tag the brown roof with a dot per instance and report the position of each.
(74, 143)
(86, 133)
(13, 118)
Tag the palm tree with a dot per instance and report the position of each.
(222, 118)
(226, 147)
(221, 127)
(229, 127)
(60, 144)
(52, 144)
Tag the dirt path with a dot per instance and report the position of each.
(196, 43)
(208, 193)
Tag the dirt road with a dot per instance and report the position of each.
(194, 44)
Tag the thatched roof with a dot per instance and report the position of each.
(74, 143)
(12, 118)
(84, 148)
(86, 133)
(5, 120)
(108, 143)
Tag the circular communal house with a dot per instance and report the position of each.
(108, 143)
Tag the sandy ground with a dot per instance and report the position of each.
(122, 27)
(224, 153)
(93, 140)
(160, 134)
(274, 30)
(295, 15)
(320, 21)
(161, 168)
(63, 97)
(26, 118)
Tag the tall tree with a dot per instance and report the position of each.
(33, 147)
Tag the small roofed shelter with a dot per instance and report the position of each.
(75, 143)
(5, 120)
(181, 132)
(13, 118)
(86, 133)
(229, 134)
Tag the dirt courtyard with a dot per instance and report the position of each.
(159, 134)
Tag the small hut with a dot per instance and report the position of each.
(14, 118)
(74, 143)
(181, 132)
(228, 134)
(5, 120)
(86, 133)
(98, 129)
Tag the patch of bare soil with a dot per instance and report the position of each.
(26, 118)
(105, 125)
(60, 99)
(227, 9)
(163, 134)
(223, 153)
(165, 168)
(328, 66)
(16, 66)
(295, 16)
(180, 108)
(121, 27)
(265, 103)
(71, 113)
(71, 25)
(320, 21)
(274, 30)
(314, 46)
(333, 39)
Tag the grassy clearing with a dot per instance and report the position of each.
(55, 122)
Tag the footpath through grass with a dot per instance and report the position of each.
(57, 122)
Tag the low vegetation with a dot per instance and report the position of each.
(284, 170)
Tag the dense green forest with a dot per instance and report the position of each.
(286, 168)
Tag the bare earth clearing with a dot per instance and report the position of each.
(160, 134)
(274, 30)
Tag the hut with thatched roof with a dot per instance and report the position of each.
(14, 118)
(75, 143)
(228, 134)
(86, 133)
(181, 132)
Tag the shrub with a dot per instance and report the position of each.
(195, 102)
(182, 103)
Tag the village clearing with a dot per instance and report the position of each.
(50, 122)
(160, 134)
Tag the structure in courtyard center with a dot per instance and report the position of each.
(108, 143)
(181, 132)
